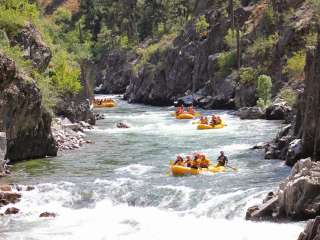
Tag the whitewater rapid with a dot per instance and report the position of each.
(118, 187)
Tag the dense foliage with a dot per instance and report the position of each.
(264, 85)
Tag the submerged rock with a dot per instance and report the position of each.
(47, 214)
(12, 210)
(9, 197)
(122, 125)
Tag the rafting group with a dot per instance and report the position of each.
(104, 103)
(189, 113)
(199, 164)
(200, 161)
(215, 122)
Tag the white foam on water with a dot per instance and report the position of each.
(122, 222)
(134, 169)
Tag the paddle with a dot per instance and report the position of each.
(233, 168)
(168, 171)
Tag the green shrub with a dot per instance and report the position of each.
(247, 75)
(16, 54)
(295, 65)
(231, 38)
(226, 62)
(262, 46)
(65, 75)
(146, 53)
(15, 13)
(288, 95)
(264, 85)
(62, 16)
(48, 91)
(201, 24)
(124, 42)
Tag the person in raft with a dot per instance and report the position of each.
(203, 120)
(179, 110)
(179, 161)
(204, 162)
(195, 163)
(191, 110)
(188, 161)
(222, 160)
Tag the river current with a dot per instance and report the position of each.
(119, 187)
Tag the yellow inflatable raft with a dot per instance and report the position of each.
(105, 104)
(186, 115)
(208, 126)
(177, 170)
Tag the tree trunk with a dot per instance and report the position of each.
(238, 47)
(231, 13)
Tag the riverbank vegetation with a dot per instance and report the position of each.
(76, 31)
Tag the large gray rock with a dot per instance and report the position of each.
(279, 110)
(278, 147)
(251, 113)
(26, 123)
(245, 96)
(311, 231)
(294, 152)
(298, 197)
(299, 194)
(33, 46)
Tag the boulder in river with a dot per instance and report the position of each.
(9, 197)
(12, 210)
(312, 230)
(297, 197)
(122, 125)
(251, 113)
(279, 110)
(47, 214)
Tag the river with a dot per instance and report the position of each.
(118, 187)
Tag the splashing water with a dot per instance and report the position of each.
(118, 188)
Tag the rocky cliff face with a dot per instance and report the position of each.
(29, 39)
(190, 64)
(114, 71)
(185, 64)
(308, 117)
(26, 123)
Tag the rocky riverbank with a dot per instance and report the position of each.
(297, 197)
(68, 135)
